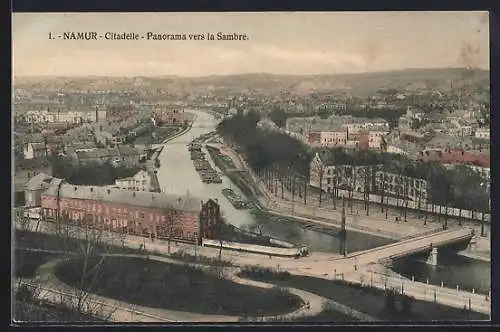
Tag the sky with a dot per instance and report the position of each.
(278, 42)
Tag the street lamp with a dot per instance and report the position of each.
(382, 188)
(482, 184)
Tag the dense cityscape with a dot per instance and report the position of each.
(326, 198)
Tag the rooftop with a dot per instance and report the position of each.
(127, 197)
(295, 123)
(440, 140)
(38, 182)
(38, 146)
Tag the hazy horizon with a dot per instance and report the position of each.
(280, 43)
(249, 73)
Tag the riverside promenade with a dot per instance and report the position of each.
(393, 226)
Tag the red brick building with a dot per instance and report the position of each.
(363, 141)
(155, 215)
(456, 156)
(314, 138)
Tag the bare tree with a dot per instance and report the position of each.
(24, 224)
(23, 221)
(24, 304)
(317, 173)
(354, 182)
(85, 244)
(382, 189)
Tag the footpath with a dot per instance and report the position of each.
(320, 265)
(56, 291)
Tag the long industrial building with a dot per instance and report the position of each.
(151, 214)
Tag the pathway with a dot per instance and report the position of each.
(320, 265)
(54, 290)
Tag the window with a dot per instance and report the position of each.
(142, 215)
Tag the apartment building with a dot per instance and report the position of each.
(398, 185)
(144, 180)
(375, 138)
(327, 176)
(64, 114)
(33, 189)
(35, 150)
(351, 125)
(355, 124)
(482, 133)
(169, 116)
(456, 156)
(327, 135)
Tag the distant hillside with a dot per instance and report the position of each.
(365, 83)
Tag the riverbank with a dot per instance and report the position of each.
(373, 225)
(480, 256)
(390, 225)
(158, 148)
(182, 132)
(479, 248)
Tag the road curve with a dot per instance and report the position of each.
(119, 311)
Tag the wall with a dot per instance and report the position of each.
(132, 219)
(314, 138)
(33, 198)
(333, 138)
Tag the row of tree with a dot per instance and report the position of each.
(459, 186)
(264, 148)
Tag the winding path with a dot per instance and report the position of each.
(54, 290)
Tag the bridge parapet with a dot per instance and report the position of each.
(411, 246)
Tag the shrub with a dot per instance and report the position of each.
(265, 273)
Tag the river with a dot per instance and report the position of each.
(178, 176)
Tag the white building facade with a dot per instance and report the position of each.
(482, 133)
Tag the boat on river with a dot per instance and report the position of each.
(235, 199)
